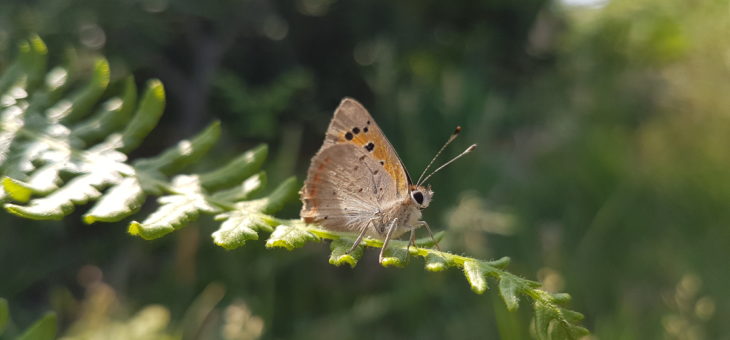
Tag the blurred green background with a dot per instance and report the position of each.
(603, 166)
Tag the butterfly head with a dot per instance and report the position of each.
(421, 195)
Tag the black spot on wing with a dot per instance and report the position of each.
(348, 135)
(370, 146)
(355, 130)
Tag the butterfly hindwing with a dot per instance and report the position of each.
(345, 188)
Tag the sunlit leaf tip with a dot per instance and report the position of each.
(340, 255)
(149, 232)
(476, 276)
(435, 263)
(395, 257)
(17, 190)
(102, 73)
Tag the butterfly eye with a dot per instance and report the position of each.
(417, 196)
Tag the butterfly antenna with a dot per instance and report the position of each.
(468, 150)
(451, 139)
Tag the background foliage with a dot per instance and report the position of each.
(602, 167)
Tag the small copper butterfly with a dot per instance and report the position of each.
(357, 183)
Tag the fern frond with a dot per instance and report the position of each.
(61, 149)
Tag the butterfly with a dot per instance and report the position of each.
(357, 183)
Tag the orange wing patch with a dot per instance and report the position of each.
(379, 148)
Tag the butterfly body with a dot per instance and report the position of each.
(357, 183)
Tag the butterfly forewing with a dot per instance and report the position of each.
(353, 125)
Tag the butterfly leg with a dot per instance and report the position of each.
(412, 241)
(391, 228)
(359, 238)
(435, 243)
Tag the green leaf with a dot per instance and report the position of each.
(435, 263)
(284, 193)
(4, 315)
(81, 103)
(394, 257)
(145, 119)
(175, 210)
(340, 256)
(237, 228)
(508, 289)
(236, 170)
(43, 329)
(122, 200)
(113, 115)
(476, 276)
(246, 219)
(500, 263)
(561, 298)
(16, 189)
(248, 188)
(184, 153)
(289, 237)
